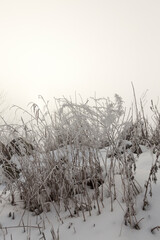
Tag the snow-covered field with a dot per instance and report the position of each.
(17, 223)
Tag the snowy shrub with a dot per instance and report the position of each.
(65, 164)
(71, 154)
(74, 133)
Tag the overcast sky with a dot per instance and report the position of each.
(59, 47)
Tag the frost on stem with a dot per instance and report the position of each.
(151, 178)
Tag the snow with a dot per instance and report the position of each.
(107, 225)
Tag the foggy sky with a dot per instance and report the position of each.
(57, 48)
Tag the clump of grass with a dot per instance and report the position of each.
(66, 167)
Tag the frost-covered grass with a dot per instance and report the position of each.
(91, 172)
(107, 224)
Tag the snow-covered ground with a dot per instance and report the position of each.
(16, 223)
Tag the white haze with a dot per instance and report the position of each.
(57, 48)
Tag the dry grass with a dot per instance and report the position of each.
(66, 168)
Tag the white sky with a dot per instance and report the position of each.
(55, 48)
